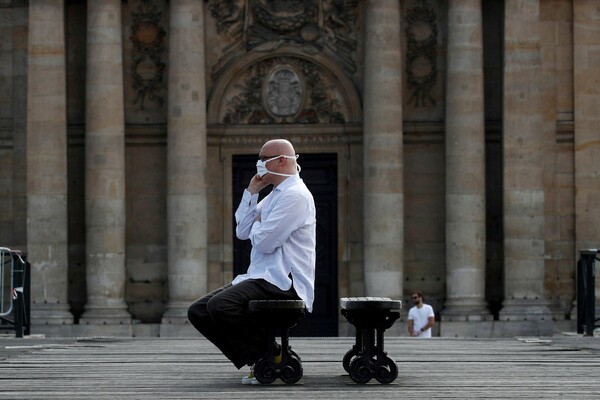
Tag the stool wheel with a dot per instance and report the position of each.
(387, 372)
(294, 354)
(360, 371)
(353, 352)
(264, 372)
(292, 372)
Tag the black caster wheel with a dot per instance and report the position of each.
(292, 372)
(294, 354)
(360, 371)
(348, 358)
(388, 372)
(264, 372)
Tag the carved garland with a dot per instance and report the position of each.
(147, 69)
(250, 106)
(421, 57)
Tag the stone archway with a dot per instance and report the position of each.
(240, 94)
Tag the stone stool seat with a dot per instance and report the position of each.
(278, 315)
(371, 316)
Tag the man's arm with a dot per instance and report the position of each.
(246, 214)
(411, 327)
(430, 319)
(248, 211)
(285, 217)
(430, 323)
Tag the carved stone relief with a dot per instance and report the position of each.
(421, 56)
(284, 90)
(314, 26)
(148, 40)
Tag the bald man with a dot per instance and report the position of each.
(282, 230)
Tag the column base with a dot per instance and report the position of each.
(116, 314)
(525, 310)
(176, 312)
(557, 311)
(462, 311)
(109, 329)
(178, 329)
(493, 329)
(51, 314)
(174, 321)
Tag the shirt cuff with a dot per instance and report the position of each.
(249, 197)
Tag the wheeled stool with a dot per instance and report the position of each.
(371, 316)
(278, 315)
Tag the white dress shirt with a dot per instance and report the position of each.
(283, 239)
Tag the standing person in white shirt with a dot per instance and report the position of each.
(420, 317)
(282, 230)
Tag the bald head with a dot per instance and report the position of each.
(282, 165)
(278, 147)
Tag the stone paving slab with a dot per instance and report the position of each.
(191, 368)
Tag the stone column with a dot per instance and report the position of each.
(105, 167)
(523, 144)
(186, 160)
(19, 21)
(587, 120)
(465, 165)
(383, 157)
(47, 164)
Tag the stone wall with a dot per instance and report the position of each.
(239, 50)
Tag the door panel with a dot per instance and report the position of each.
(319, 172)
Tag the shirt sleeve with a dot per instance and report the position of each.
(246, 214)
(430, 312)
(287, 215)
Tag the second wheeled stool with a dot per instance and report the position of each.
(278, 315)
(371, 316)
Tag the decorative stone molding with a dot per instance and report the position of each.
(328, 96)
(272, 91)
(254, 135)
(421, 56)
(313, 26)
(148, 68)
(14, 3)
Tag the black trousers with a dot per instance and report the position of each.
(223, 317)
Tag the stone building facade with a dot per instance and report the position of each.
(452, 147)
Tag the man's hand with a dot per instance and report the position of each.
(257, 184)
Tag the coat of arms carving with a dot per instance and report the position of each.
(283, 92)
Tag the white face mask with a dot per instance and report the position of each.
(261, 167)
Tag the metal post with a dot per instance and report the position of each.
(580, 295)
(27, 295)
(586, 291)
(18, 270)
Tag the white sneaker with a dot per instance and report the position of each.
(249, 379)
(256, 382)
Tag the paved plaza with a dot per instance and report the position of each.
(566, 367)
